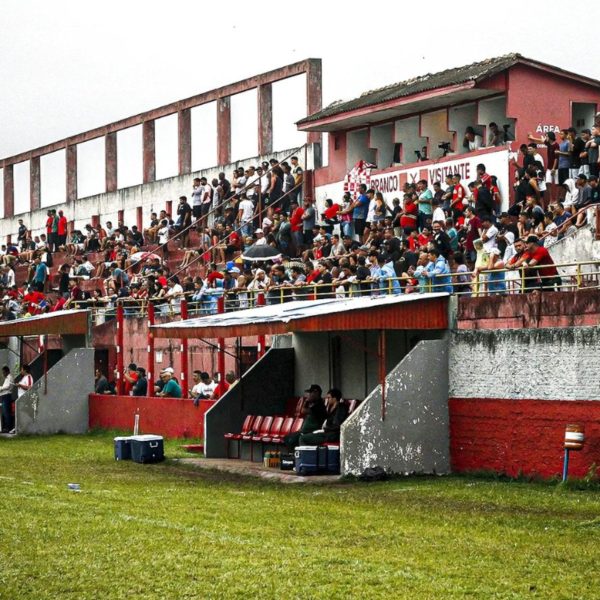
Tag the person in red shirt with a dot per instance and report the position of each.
(296, 223)
(485, 178)
(130, 376)
(473, 227)
(33, 302)
(408, 218)
(458, 195)
(330, 214)
(223, 386)
(538, 256)
(62, 229)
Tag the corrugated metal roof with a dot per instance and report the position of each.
(72, 322)
(387, 312)
(474, 72)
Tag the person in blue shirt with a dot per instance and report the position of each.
(41, 275)
(438, 271)
(388, 282)
(360, 209)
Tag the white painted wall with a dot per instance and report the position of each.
(544, 364)
(151, 196)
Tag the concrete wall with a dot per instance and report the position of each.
(64, 408)
(150, 196)
(414, 435)
(357, 362)
(545, 364)
(264, 390)
(578, 247)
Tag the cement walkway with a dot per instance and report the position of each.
(254, 469)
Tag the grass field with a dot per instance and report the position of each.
(164, 531)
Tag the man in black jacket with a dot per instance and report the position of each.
(441, 240)
(337, 413)
(484, 205)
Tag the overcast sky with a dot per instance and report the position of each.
(67, 66)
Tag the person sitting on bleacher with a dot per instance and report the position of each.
(314, 413)
(337, 413)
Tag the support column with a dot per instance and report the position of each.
(110, 152)
(314, 95)
(149, 150)
(71, 173)
(185, 372)
(221, 345)
(224, 131)
(35, 184)
(265, 119)
(120, 383)
(9, 191)
(260, 301)
(150, 362)
(139, 218)
(184, 137)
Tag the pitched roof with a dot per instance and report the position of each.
(474, 72)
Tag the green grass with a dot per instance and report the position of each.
(163, 531)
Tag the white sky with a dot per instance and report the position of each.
(67, 66)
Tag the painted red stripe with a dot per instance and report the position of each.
(521, 436)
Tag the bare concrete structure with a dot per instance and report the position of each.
(262, 83)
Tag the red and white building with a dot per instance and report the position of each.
(386, 126)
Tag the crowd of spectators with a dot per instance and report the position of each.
(449, 236)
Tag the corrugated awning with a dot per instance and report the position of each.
(72, 322)
(411, 311)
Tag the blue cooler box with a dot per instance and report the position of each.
(306, 460)
(147, 448)
(122, 448)
(333, 460)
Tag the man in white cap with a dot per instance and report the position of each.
(261, 240)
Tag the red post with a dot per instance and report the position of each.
(150, 362)
(71, 174)
(260, 301)
(184, 141)
(185, 374)
(120, 366)
(149, 151)
(221, 344)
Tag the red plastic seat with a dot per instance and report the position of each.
(247, 426)
(297, 426)
(286, 427)
(299, 405)
(274, 431)
(265, 427)
(256, 426)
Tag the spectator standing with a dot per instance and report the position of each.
(6, 390)
(197, 194)
(62, 226)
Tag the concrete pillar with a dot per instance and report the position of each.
(184, 136)
(224, 130)
(110, 152)
(35, 184)
(265, 119)
(149, 143)
(9, 191)
(314, 96)
(71, 173)
(121, 217)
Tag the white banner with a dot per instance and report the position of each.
(391, 182)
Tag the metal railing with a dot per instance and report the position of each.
(571, 277)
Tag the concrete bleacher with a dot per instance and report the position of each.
(175, 255)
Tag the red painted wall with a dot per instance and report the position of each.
(521, 436)
(170, 417)
(535, 97)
